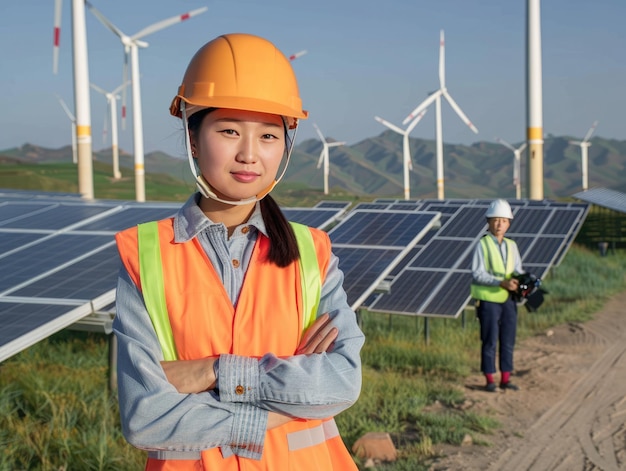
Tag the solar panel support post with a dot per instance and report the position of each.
(426, 330)
(112, 362)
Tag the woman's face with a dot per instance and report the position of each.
(239, 152)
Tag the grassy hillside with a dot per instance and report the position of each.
(373, 167)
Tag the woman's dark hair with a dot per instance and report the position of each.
(283, 243)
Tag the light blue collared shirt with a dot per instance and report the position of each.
(156, 417)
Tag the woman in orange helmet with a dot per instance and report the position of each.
(229, 357)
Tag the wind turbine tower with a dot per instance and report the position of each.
(436, 97)
(324, 156)
(406, 151)
(534, 100)
(81, 91)
(517, 152)
(584, 148)
(111, 98)
(131, 48)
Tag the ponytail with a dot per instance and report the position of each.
(283, 244)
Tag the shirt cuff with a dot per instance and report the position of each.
(248, 435)
(239, 378)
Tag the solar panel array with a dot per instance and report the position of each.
(59, 263)
(434, 278)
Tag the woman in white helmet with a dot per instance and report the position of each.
(236, 343)
(496, 260)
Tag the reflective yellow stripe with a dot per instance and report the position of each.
(153, 287)
(312, 436)
(310, 277)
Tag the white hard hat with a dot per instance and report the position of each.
(499, 209)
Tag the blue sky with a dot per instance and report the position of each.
(365, 58)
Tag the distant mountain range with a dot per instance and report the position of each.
(374, 166)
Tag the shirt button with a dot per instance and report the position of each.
(245, 230)
(239, 390)
(235, 263)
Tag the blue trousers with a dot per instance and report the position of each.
(498, 322)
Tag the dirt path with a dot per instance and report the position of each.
(570, 413)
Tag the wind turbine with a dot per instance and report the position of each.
(324, 156)
(517, 152)
(82, 105)
(73, 120)
(584, 148)
(111, 98)
(131, 48)
(406, 152)
(436, 97)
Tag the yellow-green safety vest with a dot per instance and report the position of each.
(152, 287)
(495, 265)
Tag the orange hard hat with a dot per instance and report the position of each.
(244, 72)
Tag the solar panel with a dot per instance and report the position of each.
(604, 197)
(344, 205)
(370, 243)
(58, 261)
(436, 279)
(313, 217)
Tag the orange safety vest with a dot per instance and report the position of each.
(205, 323)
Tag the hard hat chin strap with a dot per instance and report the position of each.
(203, 186)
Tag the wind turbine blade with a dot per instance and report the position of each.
(336, 144)
(321, 160)
(126, 81)
(417, 119)
(458, 110)
(58, 8)
(66, 109)
(389, 125)
(105, 126)
(442, 60)
(575, 143)
(505, 144)
(104, 20)
(297, 54)
(522, 147)
(97, 88)
(124, 85)
(153, 28)
(319, 133)
(590, 132)
(422, 106)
